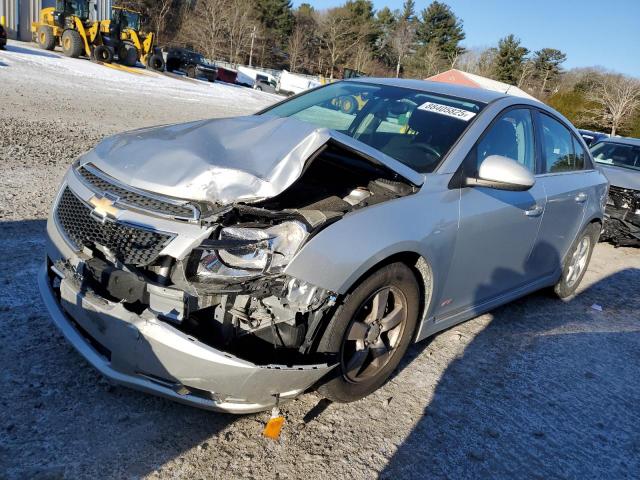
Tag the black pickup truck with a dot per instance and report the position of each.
(3, 37)
(193, 64)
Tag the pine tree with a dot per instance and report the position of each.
(546, 64)
(441, 29)
(509, 59)
(276, 17)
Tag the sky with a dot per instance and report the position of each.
(590, 32)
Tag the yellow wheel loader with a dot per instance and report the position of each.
(68, 25)
(124, 34)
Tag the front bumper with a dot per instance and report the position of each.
(143, 352)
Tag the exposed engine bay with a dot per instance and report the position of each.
(622, 221)
(230, 292)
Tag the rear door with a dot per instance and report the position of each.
(498, 228)
(564, 178)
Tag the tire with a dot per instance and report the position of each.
(191, 71)
(156, 62)
(128, 54)
(348, 104)
(353, 378)
(103, 54)
(45, 38)
(72, 45)
(578, 258)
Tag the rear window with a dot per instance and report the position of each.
(416, 128)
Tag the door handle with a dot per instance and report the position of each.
(534, 211)
(581, 197)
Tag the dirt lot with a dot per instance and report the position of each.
(536, 389)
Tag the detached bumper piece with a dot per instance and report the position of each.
(622, 218)
(145, 353)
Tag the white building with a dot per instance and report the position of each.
(18, 14)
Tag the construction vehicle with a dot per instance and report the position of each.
(125, 36)
(68, 25)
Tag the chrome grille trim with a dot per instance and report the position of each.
(130, 244)
(135, 198)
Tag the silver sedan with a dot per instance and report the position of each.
(231, 264)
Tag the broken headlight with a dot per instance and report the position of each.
(243, 252)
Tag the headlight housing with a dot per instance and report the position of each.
(244, 253)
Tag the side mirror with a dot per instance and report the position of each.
(502, 173)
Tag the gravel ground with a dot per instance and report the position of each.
(536, 389)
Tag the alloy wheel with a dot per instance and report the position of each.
(374, 334)
(578, 261)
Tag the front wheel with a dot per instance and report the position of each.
(577, 261)
(371, 331)
(72, 44)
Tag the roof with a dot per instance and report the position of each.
(458, 77)
(454, 90)
(622, 140)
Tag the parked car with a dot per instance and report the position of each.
(193, 64)
(591, 138)
(264, 85)
(3, 37)
(233, 263)
(619, 160)
(227, 75)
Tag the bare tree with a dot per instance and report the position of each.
(297, 44)
(159, 15)
(339, 36)
(617, 97)
(205, 26)
(401, 42)
(528, 68)
(239, 23)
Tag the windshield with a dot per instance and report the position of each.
(130, 20)
(79, 8)
(617, 154)
(416, 128)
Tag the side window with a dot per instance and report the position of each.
(558, 147)
(510, 136)
(580, 157)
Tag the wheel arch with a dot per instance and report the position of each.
(419, 266)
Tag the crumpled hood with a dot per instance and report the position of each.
(222, 160)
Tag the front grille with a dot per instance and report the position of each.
(102, 184)
(131, 245)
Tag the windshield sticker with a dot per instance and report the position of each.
(447, 110)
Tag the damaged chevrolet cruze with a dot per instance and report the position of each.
(234, 263)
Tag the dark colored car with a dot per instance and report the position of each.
(193, 64)
(263, 84)
(591, 138)
(619, 159)
(3, 37)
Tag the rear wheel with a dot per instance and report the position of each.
(72, 44)
(371, 331)
(45, 38)
(156, 62)
(577, 261)
(128, 54)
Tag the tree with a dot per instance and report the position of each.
(510, 57)
(441, 27)
(617, 97)
(403, 34)
(339, 35)
(547, 67)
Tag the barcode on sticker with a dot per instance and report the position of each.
(447, 110)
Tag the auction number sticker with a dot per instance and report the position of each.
(447, 110)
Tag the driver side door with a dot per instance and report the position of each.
(497, 228)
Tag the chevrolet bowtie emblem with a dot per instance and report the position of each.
(103, 208)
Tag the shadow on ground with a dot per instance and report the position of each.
(55, 405)
(546, 390)
(12, 47)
